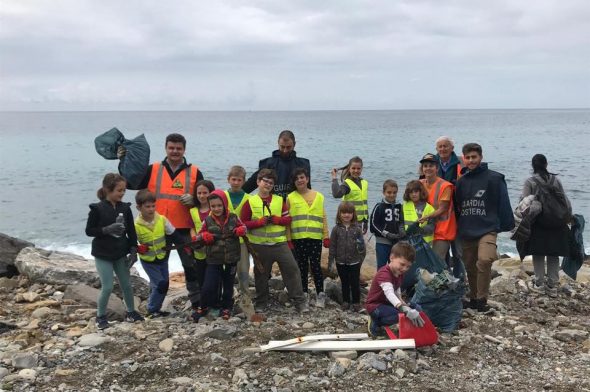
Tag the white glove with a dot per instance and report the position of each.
(413, 315)
(187, 200)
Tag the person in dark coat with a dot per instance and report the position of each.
(545, 243)
(283, 161)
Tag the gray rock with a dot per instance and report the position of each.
(333, 290)
(88, 295)
(27, 374)
(55, 267)
(240, 376)
(400, 372)
(9, 249)
(182, 380)
(566, 335)
(3, 372)
(401, 355)
(25, 360)
(217, 358)
(8, 283)
(335, 369)
(223, 333)
(92, 340)
(43, 312)
(369, 361)
(344, 354)
(166, 345)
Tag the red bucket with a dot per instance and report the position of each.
(423, 336)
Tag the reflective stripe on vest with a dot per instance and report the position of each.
(237, 210)
(155, 238)
(306, 221)
(271, 233)
(359, 197)
(410, 217)
(168, 193)
(445, 227)
(198, 253)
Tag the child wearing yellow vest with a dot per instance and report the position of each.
(198, 214)
(415, 207)
(308, 228)
(236, 199)
(353, 189)
(152, 229)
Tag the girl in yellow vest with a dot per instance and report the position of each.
(199, 213)
(416, 206)
(353, 189)
(308, 228)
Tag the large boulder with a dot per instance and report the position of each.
(88, 295)
(56, 267)
(9, 248)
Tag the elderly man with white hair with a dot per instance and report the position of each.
(449, 167)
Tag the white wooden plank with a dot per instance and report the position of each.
(355, 345)
(309, 338)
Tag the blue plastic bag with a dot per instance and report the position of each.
(425, 258)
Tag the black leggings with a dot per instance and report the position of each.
(350, 279)
(308, 252)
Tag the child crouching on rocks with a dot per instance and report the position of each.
(384, 303)
(221, 232)
(110, 222)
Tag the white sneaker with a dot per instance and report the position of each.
(321, 300)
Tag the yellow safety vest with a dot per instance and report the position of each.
(410, 217)
(154, 237)
(359, 197)
(238, 209)
(270, 234)
(307, 221)
(200, 253)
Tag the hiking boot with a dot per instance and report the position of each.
(536, 289)
(198, 313)
(551, 291)
(225, 314)
(102, 322)
(373, 328)
(482, 305)
(355, 308)
(345, 306)
(303, 307)
(471, 304)
(321, 300)
(132, 317)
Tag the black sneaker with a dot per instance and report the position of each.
(157, 314)
(198, 313)
(482, 306)
(102, 322)
(132, 317)
(471, 304)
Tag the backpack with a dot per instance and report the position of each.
(556, 210)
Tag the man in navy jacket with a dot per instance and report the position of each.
(484, 211)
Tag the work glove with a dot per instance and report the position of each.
(290, 245)
(262, 221)
(208, 238)
(276, 220)
(413, 315)
(132, 257)
(114, 229)
(326, 242)
(187, 200)
(121, 152)
(240, 231)
(142, 249)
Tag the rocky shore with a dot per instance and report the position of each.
(48, 340)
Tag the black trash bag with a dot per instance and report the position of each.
(134, 164)
(570, 265)
(425, 258)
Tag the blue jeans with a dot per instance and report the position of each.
(382, 251)
(214, 275)
(158, 274)
(388, 314)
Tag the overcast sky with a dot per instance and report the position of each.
(294, 55)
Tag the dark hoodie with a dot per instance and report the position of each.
(226, 248)
(104, 246)
(284, 168)
(450, 174)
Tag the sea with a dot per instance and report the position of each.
(51, 170)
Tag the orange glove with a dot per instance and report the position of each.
(326, 242)
(142, 249)
(208, 238)
(240, 231)
(262, 221)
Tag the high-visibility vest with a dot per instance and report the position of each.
(359, 197)
(410, 217)
(199, 254)
(445, 228)
(168, 193)
(154, 237)
(306, 221)
(270, 234)
(238, 209)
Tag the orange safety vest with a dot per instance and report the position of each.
(445, 227)
(168, 193)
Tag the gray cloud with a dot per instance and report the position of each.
(293, 55)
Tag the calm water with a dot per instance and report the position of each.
(51, 171)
